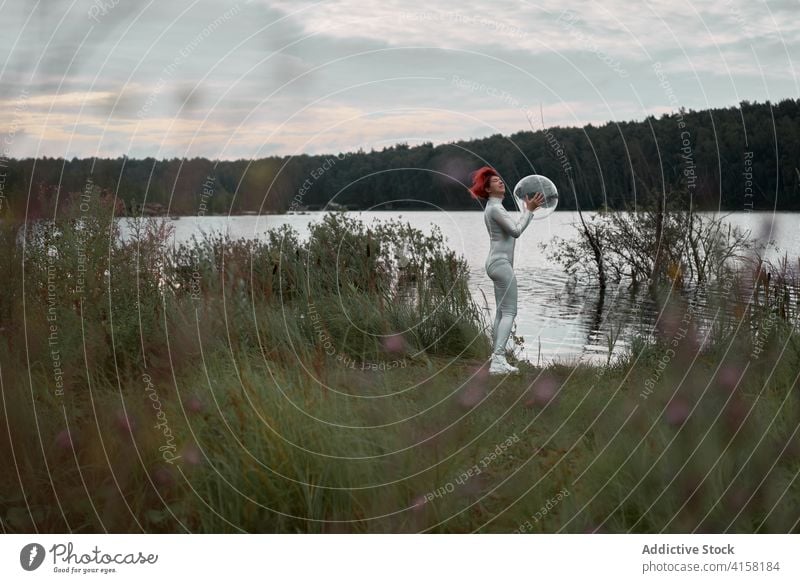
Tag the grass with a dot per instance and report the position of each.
(338, 385)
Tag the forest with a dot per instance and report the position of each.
(734, 159)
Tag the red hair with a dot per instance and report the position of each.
(480, 182)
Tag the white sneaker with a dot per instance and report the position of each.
(500, 365)
(511, 368)
(496, 367)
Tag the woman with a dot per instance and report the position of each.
(503, 232)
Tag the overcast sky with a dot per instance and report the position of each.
(220, 79)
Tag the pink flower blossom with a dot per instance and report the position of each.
(677, 411)
(728, 377)
(163, 476)
(63, 440)
(193, 405)
(471, 395)
(192, 455)
(543, 391)
(418, 503)
(394, 343)
(481, 374)
(124, 422)
(736, 499)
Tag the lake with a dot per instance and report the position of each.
(558, 317)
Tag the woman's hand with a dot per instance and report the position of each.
(535, 202)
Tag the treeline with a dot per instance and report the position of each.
(738, 158)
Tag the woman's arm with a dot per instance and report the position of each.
(501, 216)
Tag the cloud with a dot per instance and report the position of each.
(280, 76)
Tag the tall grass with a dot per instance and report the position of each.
(338, 384)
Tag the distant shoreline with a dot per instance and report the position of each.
(322, 211)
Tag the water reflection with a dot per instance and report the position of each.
(559, 317)
(571, 321)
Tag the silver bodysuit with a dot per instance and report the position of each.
(503, 232)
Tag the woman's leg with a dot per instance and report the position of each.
(497, 316)
(505, 297)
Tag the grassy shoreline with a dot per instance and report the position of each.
(223, 390)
